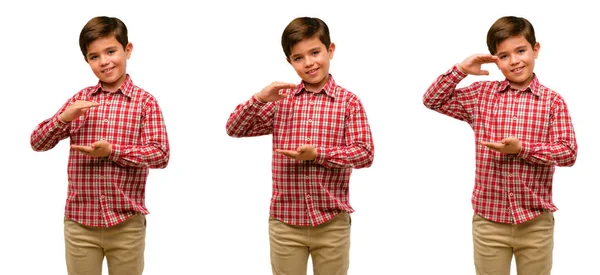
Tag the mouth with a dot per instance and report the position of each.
(312, 72)
(517, 70)
(107, 70)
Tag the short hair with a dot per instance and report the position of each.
(100, 27)
(509, 26)
(303, 28)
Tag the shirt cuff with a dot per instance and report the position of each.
(456, 74)
(525, 151)
(321, 157)
(115, 153)
(255, 101)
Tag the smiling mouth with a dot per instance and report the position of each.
(311, 72)
(517, 70)
(107, 70)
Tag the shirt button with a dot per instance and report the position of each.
(510, 194)
(307, 196)
(312, 102)
(510, 175)
(515, 118)
(309, 120)
(101, 197)
(106, 120)
(307, 139)
(101, 177)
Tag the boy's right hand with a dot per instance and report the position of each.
(472, 65)
(76, 109)
(275, 91)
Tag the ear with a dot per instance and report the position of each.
(536, 50)
(288, 60)
(331, 50)
(86, 60)
(128, 49)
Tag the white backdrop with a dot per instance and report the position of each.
(209, 207)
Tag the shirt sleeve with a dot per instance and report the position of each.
(154, 150)
(359, 150)
(443, 96)
(49, 132)
(251, 118)
(562, 150)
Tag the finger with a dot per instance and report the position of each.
(287, 153)
(283, 85)
(83, 149)
(486, 58)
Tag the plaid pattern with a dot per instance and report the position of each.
(308, 193)
(107, 191)
(510, 188)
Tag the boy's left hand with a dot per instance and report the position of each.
(304, 152)
(509, 145)
(98, 149)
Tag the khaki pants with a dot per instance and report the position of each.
(328, 245)
(531, 242)
(122, 244)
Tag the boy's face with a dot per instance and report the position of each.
(516, 59)
(310, 58)
(108, 61)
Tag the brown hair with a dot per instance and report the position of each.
(509, 26)
(304, 28)
(99, 27)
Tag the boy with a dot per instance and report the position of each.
(117, 133)
(523, 130)
(320, 133)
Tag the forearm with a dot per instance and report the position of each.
(48, 133)
(251, 118)
(153, 155)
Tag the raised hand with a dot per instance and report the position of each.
(76, 109)
(472, 65)
(509, 145)
(304, 152)
(98, 149)
(275, 91)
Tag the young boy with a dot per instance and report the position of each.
(320, 133)
(117, 133)
(523, 130)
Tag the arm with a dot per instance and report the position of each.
(562, 148)
(154, 149)
(255, 116)
(359, 150)
(251, 118)
(443, 96)
(49, 132)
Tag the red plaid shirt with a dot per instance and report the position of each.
(510, 188)
(308, 193)
(107, 191)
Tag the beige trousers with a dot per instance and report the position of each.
(328, 245)
(531, 243)
(122, 244)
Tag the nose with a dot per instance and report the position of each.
(514, 59)
(308, 62)
(104, 60)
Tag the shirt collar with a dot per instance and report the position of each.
(329, 88)
(126, 88)
(534, 86)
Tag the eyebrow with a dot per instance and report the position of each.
(311, 50)
(517, 48)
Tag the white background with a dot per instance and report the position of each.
(209, 207)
